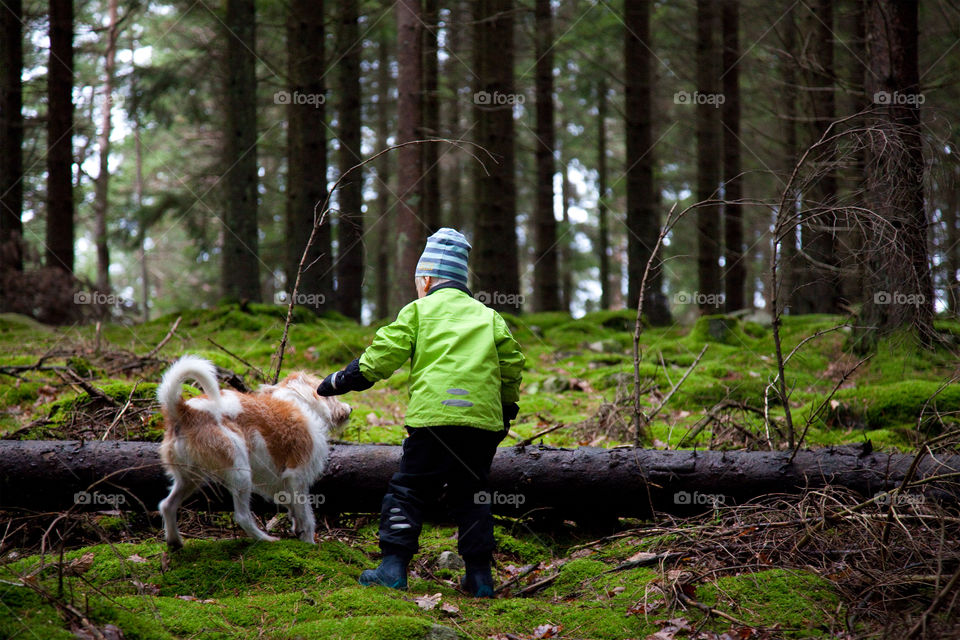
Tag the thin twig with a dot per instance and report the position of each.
(166, 339)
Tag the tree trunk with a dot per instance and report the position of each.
(241, 254)
(430, 128)
(708, 156)
(952, 261)
(350, 260)
(603, 224)
(101, 195)
(138, 187)
(546, 286)
(788, 266)
(11, 142)
(307, 154)
(60, 207)
(643, 220)
(453, 72)
(819, 291)
(900, 290)
(382, 224)
(409, 229)
(734, 276)
(495, 258)
(580, 483)
(566, 268)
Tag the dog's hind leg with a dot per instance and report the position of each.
(301, 512)
(182, 487)
(241, 487)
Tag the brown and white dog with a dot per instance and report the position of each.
(272, 442)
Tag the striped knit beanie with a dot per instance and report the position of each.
(445, 256)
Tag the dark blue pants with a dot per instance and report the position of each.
(444, 466)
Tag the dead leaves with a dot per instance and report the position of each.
(539, 633)
(429, 603)
(682, 628)
(79, 566)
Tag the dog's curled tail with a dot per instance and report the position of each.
(186, 368)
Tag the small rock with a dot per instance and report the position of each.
(555, 384)
(439, 632)
(761, 317)
(450, 560)
(608, 345)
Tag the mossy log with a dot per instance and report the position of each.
(584, 483)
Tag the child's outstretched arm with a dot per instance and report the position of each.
(392, 346)
(511, 368)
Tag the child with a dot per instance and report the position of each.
(464, 385)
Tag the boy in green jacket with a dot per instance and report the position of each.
(464, 384)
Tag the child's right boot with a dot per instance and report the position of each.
(391, 573)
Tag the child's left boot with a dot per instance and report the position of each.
(391, 573)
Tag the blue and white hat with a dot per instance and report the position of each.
(445, 256)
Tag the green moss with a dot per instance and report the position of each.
(12, 395)
(882, 405)
(372, 627)
(803, 604)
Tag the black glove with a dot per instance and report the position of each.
(350, 379)
(510, 411)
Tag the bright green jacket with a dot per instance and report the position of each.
(465, 363)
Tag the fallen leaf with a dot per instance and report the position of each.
(642, 556)
(427, 603)
(547, 631)
(79, 565)
(138, 559)
(450, 609)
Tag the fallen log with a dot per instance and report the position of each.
(583, 483)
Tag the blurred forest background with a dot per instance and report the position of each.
(161, 155)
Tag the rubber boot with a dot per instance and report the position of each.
(391, 573)
(478, 581)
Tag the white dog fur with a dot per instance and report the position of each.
(272, 442)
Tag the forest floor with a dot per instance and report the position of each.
(734, 571)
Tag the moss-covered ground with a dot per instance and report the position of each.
(579, 372)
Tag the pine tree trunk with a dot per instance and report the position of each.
(350, 260)
(307, 154)
(951, 216)
(494, 256)
(101, 195)
(734, 277)
(900, 290)
(409, 229)
(820, 289)
(786, 220)
(708, 156)
(546, 286)
(643, 220)
(603, 230)
(241, 254)
(11, 142)
(566, 269)
(453, 72)
(60, 209)
(430, 212)
(384, 219)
